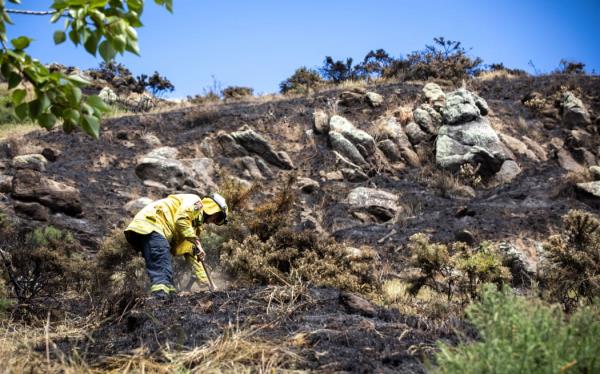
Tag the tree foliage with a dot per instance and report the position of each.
(105, 27)
(302, 81)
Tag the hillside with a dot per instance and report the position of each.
(370, 167)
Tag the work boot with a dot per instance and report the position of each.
(160, 295)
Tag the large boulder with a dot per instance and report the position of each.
(134, 206)
(30, 185)
(161, 165)
(392, 130)
(427, 118)
(31, 161)
(463, 106)
(518, 147)
(473, 142)
(434, 95)
(257, 144)
(363, 141)
(574, 113)
(201, 171)
(380, 204)
(374, 99)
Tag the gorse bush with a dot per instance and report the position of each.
(265, 248)
(303, 81)
(521, 335)
(572, 271)
(457, 270)
(235, 92)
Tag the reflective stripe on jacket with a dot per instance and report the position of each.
(176, 217)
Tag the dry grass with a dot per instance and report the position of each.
(426, 303)
(496, 74)
(16, 130)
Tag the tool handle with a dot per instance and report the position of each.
(211, 285)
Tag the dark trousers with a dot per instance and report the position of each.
(157, 253)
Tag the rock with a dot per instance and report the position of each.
(32, 210)
(151, 140)
(5, 183)
(229, 147)
(579, 138)
(350, 98)
(134, 206)
(321, 122)
(521, 268)
(434, 95)
(374, 99)
(380, 204)
(249, 165)
(346, 148)
(257, 144)
(30, 185)
(355, 304)
(156, 185)
(567, 162)
(589, 193)
(161, 166)
(582, 155)
(463, 106)
(391, 129)
(473, 142)
(534, 146)
(32, 162)
(595, 171)
(202, 170)
(574, 113)
(51, 154)
(358, 137)
(465, 236)
(140, 102)
(307, 185)
(354, 175)
(263, 167)
(507, 172)
(334, 176)
(518, 147)
(390, 150)
(593, 188)
(3, 165)
(309, 222)
(427, 118)
(415, 134)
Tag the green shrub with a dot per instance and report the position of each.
(521, 335)
(303, 81)
(572, 271)
(235, 92)
(456, 271)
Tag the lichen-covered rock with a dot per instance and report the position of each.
(518, 147)
(33, 162)
(474, 142)
(346, 148)
(427, 118)
(257, 144)
(509, 171)
(381, 204)
(574, 113)
(392, 130)
(463, 106)
(362, 140)
(434, 95)
(415, 134)
(161, 166)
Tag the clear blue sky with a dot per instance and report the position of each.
(258, 43)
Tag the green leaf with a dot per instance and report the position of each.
(73, 95)
(59, 37)
(44, 102)
(78, 80)
(21, 42)
(47, 120)
(71, 115)
(68, 127)
(13, 80)
(91, 125)
(22, 111)
(91, 43)
(107, 51)
(132, 46)
(34, 108)
(18, 95)
(55, 17)
(74, 35)
(96, 102)
(119, 43)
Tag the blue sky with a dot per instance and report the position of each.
(259, 43)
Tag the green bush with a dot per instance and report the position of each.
(521, 335)
(235, 92)
(571, 273)
(303, 81)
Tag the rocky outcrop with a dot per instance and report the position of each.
(361, 140)
(433, 94)
(396, 144)
(427, 118)
(380, 204)
(5, 183)
(134, 206)
(374, 99)
(255, 143)
(30, 185)
(467, 136)
(574, 113)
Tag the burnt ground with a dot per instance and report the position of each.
(525, 212)
(333, 338)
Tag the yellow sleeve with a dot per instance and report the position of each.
(184, 217)
(197, 268)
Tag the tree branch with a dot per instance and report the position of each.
(31, 12)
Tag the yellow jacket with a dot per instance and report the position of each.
(177, 218)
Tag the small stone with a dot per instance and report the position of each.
(567, 162)
(465, 236)
(33, 210)
(321, 122)
(51, 154)
(595, 171)
(354, 175)
(355, 304)
(374, 99)
(334, 176)
(509, 171)
(307, 185)
(151, 140)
